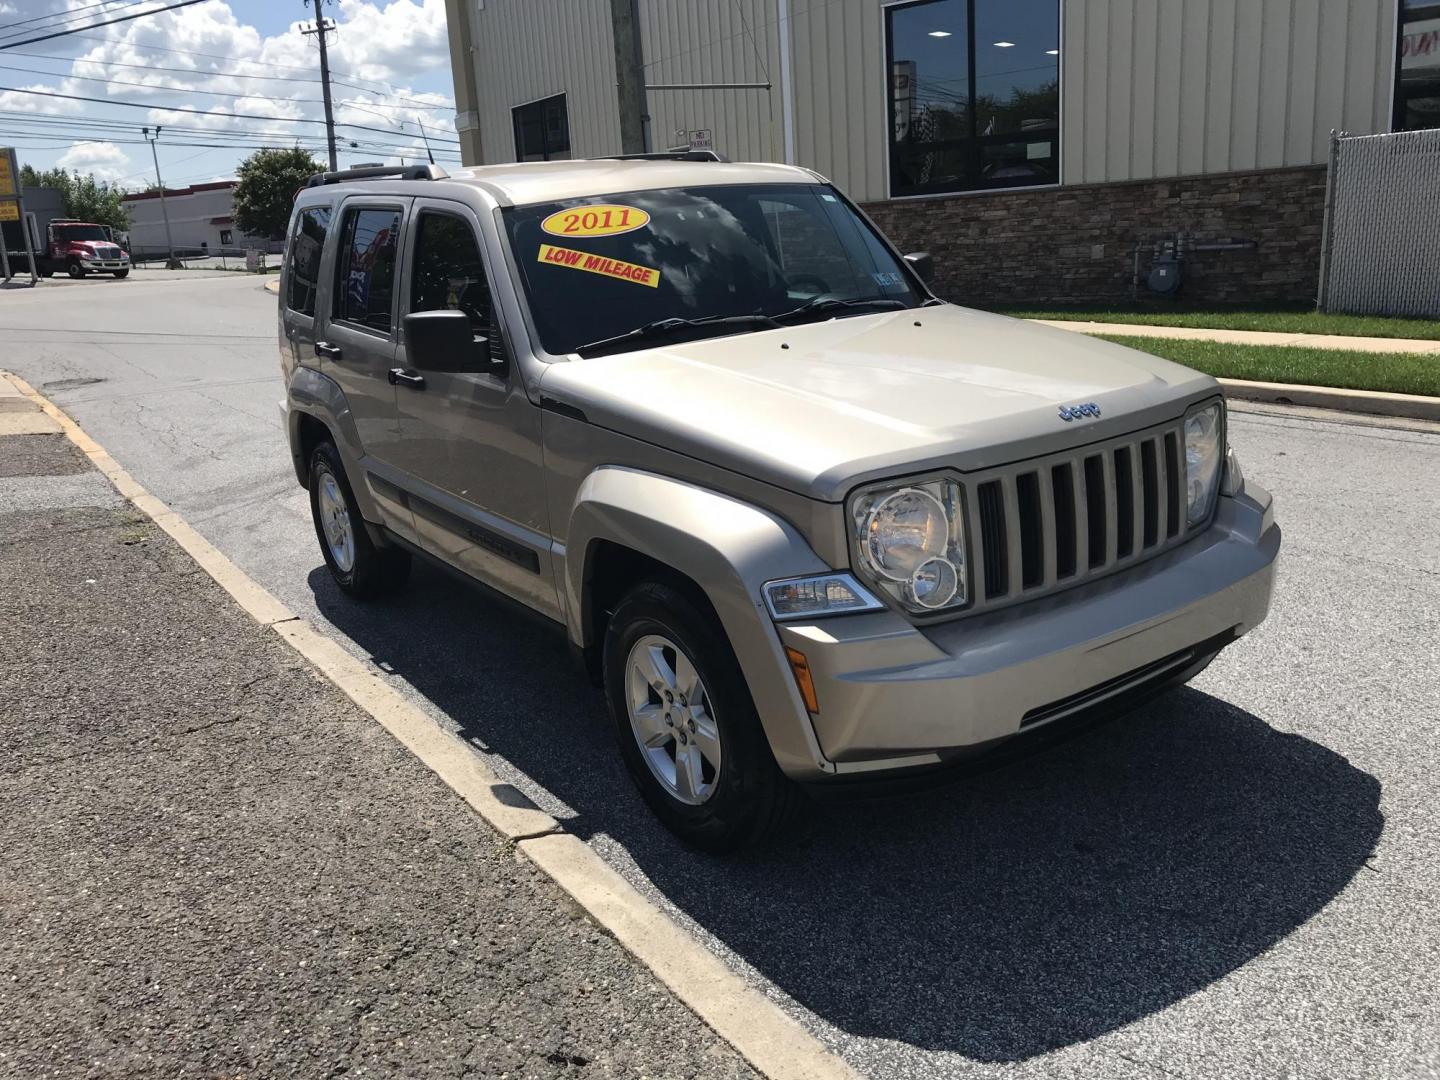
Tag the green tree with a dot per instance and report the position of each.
(84, 197)
(265, 191)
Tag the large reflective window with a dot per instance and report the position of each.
(1417, 98)
(974, 94)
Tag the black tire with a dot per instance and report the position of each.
(74, 269)
(752, 801)
(122, 273)
(376, 571)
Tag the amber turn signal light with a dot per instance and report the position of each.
(800, 667)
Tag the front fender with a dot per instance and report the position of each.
(729, 549)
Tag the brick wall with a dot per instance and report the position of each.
(1075, 243)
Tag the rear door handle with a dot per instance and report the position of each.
(399, 375)
(325, 349)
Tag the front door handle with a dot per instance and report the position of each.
(411, 379)
(325, 349)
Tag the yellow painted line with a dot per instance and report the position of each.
(772, 1042)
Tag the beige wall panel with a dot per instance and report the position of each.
(1119, 95)
(1195, 69)
(1221, 72)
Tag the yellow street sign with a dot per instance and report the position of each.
(7, 178)
(9, 210)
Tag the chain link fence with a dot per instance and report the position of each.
(1381, 252)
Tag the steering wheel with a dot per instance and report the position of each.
(822, 286)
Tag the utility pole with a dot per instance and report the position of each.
(320, 29)
(630, 77)
(171, 263)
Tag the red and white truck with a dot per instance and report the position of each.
(79, 248)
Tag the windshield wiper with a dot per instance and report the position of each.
(824, 305)
(667, 329)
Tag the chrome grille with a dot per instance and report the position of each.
(1044, 525)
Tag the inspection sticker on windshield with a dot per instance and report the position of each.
(599, 264)
(602, 219)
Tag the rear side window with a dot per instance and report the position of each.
(365, 282)
(306, 246)
(448, 272)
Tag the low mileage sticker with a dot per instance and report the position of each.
(599, 264)
(602, 219)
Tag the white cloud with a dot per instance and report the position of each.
(106, 160)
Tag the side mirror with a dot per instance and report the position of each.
(922, 264)
(445, 341)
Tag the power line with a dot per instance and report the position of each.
(433, 106)
(107, 22)
(203, 112)
(51, 15)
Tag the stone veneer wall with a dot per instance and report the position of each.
(1074, 244)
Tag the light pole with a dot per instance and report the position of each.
(171, 263)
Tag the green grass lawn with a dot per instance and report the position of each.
(1398, 373)
(1280, 319)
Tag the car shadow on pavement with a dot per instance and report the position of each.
(1001, 917)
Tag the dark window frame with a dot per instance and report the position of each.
(974, 144)
(1397, 103)
(349, 212)
(547, 151)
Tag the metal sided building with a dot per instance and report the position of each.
(1042, 150)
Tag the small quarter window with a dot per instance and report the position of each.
(448, 272)
(365, 284)
(307, 244)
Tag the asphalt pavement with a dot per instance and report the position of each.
(1241, 880)
(214, 865)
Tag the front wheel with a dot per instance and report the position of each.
(360, 567)
(686, 723)
(74, 269)
(122, 273)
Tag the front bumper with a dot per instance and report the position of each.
(894, 697)
(105, 264)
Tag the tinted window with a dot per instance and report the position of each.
(365, 285)
(307, 244)
(448, 272)
(542, 130)
(1417, 97)
(601, 266)
(974, 94)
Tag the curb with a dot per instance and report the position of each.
(1332, 342)
(772, 1041)
(1371, 402)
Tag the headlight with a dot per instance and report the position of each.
(1204, 451)
(910, 542)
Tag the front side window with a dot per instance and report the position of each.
(365, 281)
(974, 94)
(542, 130)
(307, 244)
(448, 272)
(1417, 97)
(596, 268)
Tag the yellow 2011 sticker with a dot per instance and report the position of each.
(602, 219)
(599, 264)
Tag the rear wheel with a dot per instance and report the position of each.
(686, 723)
(74, 269)
(359, 566)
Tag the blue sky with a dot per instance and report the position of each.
(390, 69)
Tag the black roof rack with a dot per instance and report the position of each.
(671, 155)
(376, 172)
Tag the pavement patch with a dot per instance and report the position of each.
(41, 455)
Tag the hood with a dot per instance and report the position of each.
(820, 407)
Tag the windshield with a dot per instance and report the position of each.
(597, 268)
(81, 232)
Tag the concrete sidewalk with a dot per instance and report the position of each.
(1251, 337)
(214, 864)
